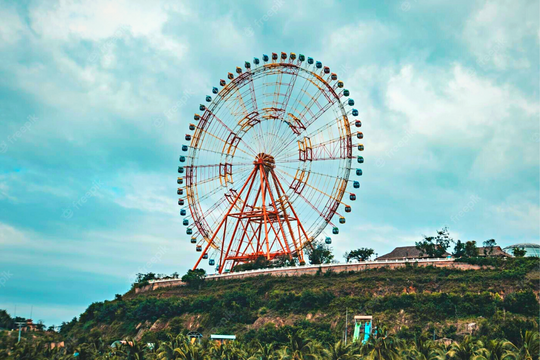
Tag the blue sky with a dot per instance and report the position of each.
(95, 98)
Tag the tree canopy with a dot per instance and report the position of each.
(435, 246)
(361, 254)
(319, 253)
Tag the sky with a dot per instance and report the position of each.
(95, 98)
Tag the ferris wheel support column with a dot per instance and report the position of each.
(301, 255)
(279, 220)
(223, 259)
(264, 214)
(221, 223)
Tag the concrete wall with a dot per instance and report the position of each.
(313, 269)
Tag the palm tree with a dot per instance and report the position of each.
(531, 346)
(340, 351)
(166, 350)
(468, 349)
(300, 348)
(500, 350)
(381, 347)
(264, 352)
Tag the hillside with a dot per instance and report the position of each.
(501, 298)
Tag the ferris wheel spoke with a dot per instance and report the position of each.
(329, 149)
(219, 176)
(304, 124)
(232, 191)
(225, 142)
(319, 131)
(221, 153)
(231, 132)
(239, 100)
(284, 104)
(329, 221)
(217, 165)
(315, 189)
(327, 158)
(300, 95)
(313, 172)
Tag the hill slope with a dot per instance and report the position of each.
(501, 299)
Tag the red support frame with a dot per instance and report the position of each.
(263, 229)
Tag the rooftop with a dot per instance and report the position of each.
(404, 252)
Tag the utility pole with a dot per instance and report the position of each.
(346, 324)
(20, 324)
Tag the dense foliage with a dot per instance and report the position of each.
(501, 299)
(361, 254)
(414, 302)
(435, 246)
(296, 346)
(319, 253)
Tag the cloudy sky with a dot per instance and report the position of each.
(447, 92)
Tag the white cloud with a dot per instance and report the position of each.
(11, 26)
(458, 108)
(147, 192)
(11, 236)
(361, 41)
(519, 212)
(100, 20)
(498, 33)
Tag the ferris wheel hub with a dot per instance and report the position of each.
(267, 161)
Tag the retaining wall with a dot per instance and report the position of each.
(313, 269)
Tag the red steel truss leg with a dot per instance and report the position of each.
(222, 221)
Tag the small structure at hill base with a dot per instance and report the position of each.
(194, 336)
(363, 327)
(222, 338)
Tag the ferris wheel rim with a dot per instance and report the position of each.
(194, 202)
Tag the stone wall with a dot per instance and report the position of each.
(313, 269)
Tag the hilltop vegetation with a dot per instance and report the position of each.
(499, 301)
(502, 300)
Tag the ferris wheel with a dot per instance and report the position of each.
(267, 164)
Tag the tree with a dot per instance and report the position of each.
(6, 322)
(194, 277)
(488, 246)
(361, 254)
(259, 263)
(340, 351)
(469, 348)
(519, 252)
(459, 249)
(40, 325)
(435, 246)
(319, 253)
(284, 261)
(471, 250)
(145, 277)
(381, 346)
